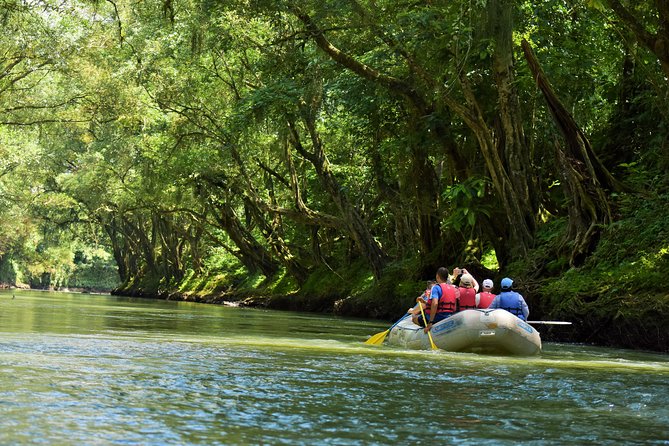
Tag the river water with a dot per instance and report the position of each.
(81, 369)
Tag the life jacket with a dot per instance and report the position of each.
(510, 301)
(485, 299)
(467, 298)
(447, 301)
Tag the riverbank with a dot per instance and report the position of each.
(615, 298)
(614, 320)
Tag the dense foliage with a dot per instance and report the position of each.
(337, 152)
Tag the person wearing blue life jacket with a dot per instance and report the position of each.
(510, 300)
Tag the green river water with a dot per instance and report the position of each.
(78, 369)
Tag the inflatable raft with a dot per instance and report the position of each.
(479, 331)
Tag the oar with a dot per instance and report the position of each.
(378, 338)
(429, 335)
(549, 322)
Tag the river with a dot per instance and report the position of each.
(89, 369)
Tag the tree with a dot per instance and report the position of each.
(650, 25)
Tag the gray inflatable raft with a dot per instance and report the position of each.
(479, 331)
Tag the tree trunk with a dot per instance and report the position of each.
(658, 42)
(140, 248)
(587, 206)
(252, 254)
(118, 250)
(356, 226)
(584, 176)
(512, 143)
(517, 236)
(273, 234)
(172, 238)
(194, 234)
(424, 184)
(273, 231)
(389, 190)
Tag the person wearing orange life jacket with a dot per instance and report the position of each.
(485, 297)
(468, 288)
(511, 301)
(442, 302)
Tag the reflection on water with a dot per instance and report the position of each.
(78, 369)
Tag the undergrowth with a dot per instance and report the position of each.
(618, 296)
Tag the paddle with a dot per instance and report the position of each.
(378, 338)
(549, 322)
(429, 335)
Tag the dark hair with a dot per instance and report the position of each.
(443, 273)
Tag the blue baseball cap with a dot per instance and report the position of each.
(506, 283)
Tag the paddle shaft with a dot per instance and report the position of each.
(549, 322)
(429, 335)
(400, 320)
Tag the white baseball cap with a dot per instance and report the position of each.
(487, 283)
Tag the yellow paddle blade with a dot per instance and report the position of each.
(434, 347)
(378, 338)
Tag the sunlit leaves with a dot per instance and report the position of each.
(117, 111)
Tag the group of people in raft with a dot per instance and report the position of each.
(444, 298)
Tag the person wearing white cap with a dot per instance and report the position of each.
(468, 288)
(485, 297)
(510, 300)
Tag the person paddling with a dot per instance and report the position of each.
(421, 301)
(510, 300)
(443, 300)
(485, 297)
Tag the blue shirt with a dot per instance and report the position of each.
(435, 293)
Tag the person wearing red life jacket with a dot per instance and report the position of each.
(442, 301)
(458, 273)
(468, 288)
(485, 297)
(510, 300)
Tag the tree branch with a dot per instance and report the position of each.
(657, 43)
(390, 82)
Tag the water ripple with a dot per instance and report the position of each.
(195, 377)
